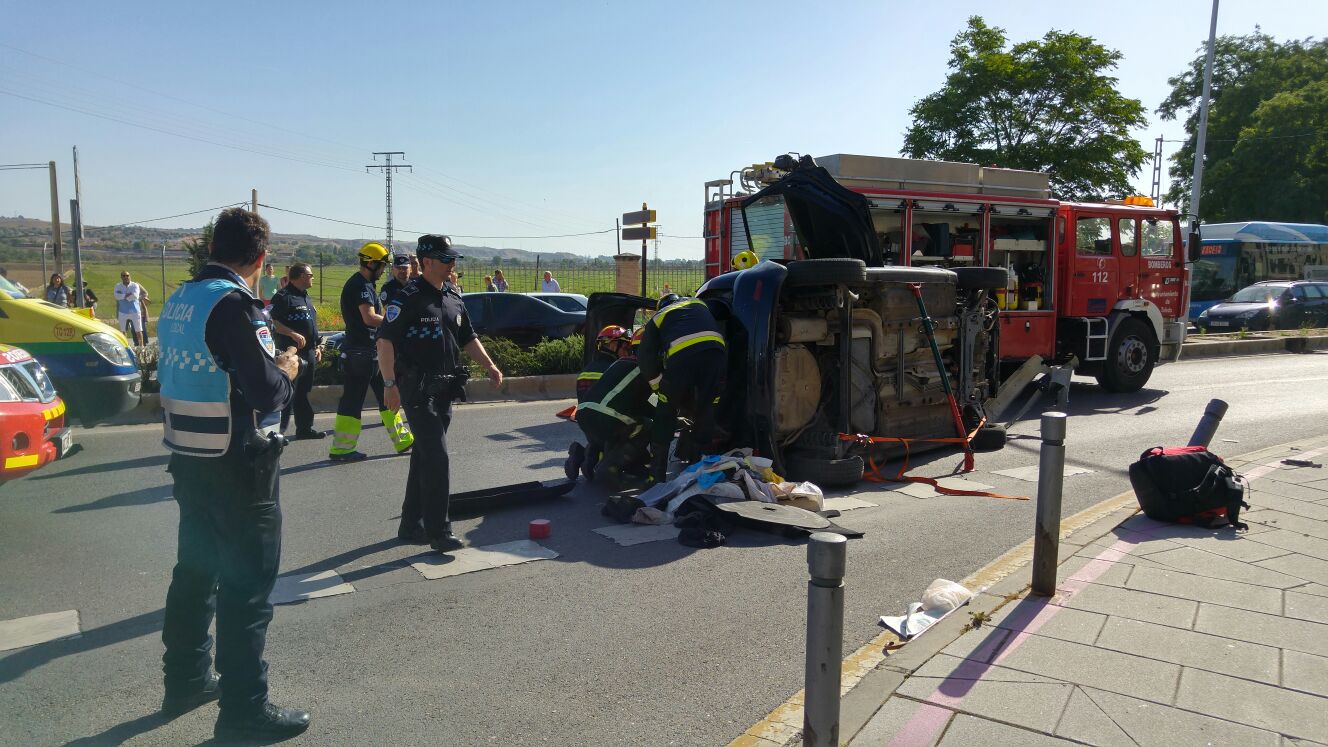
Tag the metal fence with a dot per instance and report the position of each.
(583, 277)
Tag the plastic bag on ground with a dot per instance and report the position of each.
(805, 495)
(945, 595)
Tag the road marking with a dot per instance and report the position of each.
(1030, 473)
(485, 558)
(29, 631)
(298, 588)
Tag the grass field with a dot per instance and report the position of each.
(102, 276)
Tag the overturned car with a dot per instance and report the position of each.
(834, 344)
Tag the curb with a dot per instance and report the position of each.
(1196, 347)
(325, 398)
(871, 674)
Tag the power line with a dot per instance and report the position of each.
(453, 235)
(47, 232)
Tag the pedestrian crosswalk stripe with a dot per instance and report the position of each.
(485, 558)
(29, 631)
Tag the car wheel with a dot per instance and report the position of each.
(1131, 355)
(989, 437)
(982, 278)
(826, 271)
(825, 472)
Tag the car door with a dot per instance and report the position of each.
(1320, 318)
(477, 308)
(1126, 241)
(1295, 307)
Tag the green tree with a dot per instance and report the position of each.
(1041, 105)
(1267, 148)
(199, 250)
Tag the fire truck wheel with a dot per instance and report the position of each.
(1131, 355)
(826, 271)
(989, 438)
(982, 278)
(825, 472)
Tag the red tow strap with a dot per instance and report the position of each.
(873, 474)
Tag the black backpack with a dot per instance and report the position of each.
(1188, 485)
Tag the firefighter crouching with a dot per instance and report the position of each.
(682, 354)
(612, 343)
(615, 417)
(424, 329)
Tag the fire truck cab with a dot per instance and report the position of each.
(1099, 287)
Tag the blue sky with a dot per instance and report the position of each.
(521, 118)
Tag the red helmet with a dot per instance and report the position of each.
(638, 334)
(611, 332)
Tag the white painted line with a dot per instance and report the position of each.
(297, 588)
(847, 503)
(636, 534)
(29, 631)
(1030, 473)
(923, 490)
(471, 559)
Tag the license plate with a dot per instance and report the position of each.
(65, 443)
(1219, 324)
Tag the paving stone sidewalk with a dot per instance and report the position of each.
(1160, 634)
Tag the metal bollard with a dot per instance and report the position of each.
(826, 558)
(1051, 478)
(1212, 417)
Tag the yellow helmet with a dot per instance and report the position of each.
(373, 252)
(745, 259)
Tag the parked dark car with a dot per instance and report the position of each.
(833, 343)
(573, 302)
(1272, 304)
(520, 317)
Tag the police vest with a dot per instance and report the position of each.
(195, 391)
(690, 327)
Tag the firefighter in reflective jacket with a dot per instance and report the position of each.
(611, 344)
(615, 416)
(682, 355)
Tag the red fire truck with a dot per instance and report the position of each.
(1098, 287)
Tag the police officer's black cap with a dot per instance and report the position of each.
(401, 260)
(436, 246)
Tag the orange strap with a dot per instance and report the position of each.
(874, 472)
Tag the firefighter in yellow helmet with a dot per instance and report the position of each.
(362, 311)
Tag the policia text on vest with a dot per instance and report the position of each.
(223, 386)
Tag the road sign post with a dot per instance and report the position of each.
(643, 231)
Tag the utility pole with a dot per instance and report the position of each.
(163, 271)
(76, 228)
(388, 168)
(1197, 182)
(55, 222)
(78, 194)
(253, 201)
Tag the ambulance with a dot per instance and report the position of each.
(90, 362)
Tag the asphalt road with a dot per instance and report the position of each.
(653, 644)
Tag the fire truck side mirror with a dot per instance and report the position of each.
(1195, 247)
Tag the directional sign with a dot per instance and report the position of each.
(640, 216)
(643, 233)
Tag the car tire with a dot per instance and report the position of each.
(826, 271)
(982, 278)
(825, 472)
(989, 437)
(1131, 356)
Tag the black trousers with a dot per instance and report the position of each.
(299, 404)
(428, 484)
(361, 375)
(227, 559)
(689, 387)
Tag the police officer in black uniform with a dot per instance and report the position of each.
(400, 276)
(296, 324)
(425, 326)
(223, 386)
